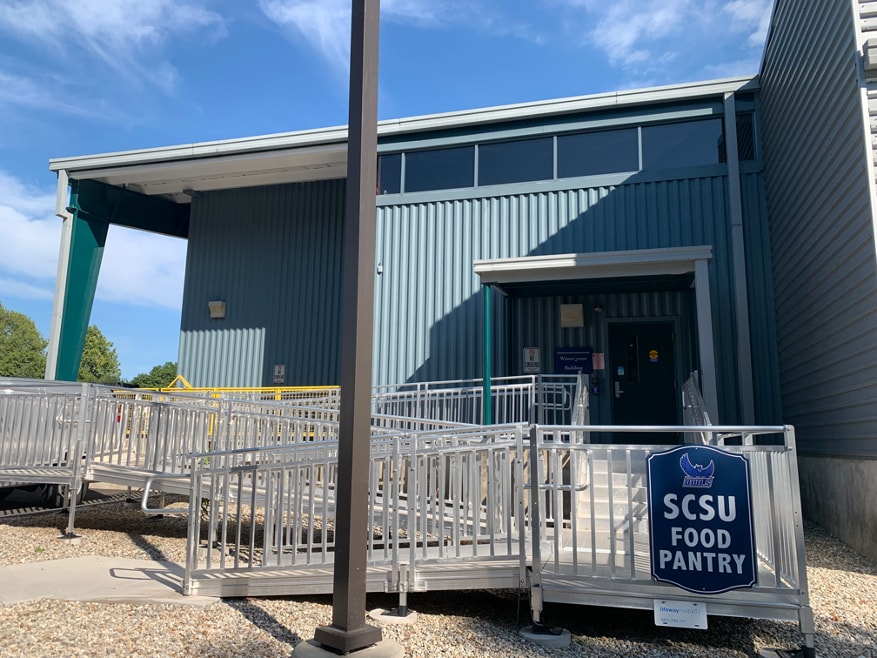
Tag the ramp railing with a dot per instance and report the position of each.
(522, 399)
(125, 436)
(694, 411)
(43, 436)
(322, 396)
(451, 506)
(590, 527)
(134, 438)
(437, 502)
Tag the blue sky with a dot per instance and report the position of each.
(95, 76)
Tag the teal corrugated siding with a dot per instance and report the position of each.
(273, 254)
(821, 227)
(428, 298)
(226, 357)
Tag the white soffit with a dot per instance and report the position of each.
(177, 179)
(599, 265)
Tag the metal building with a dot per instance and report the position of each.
(640, 235)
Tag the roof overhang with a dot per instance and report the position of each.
(669, 262)
(179, 180)
(179, 172)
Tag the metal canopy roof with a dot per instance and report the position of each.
(178, 172)
(608, 271)
(530, 273)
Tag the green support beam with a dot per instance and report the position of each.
(126, 208)
(93, 207)
(88, 238)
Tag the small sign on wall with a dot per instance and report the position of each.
(571, 316)
(573, 360)
(279, 373)
(532, 360)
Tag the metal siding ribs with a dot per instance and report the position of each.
(821, 225)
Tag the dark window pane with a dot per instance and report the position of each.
(440, 169)
(687, 144)
(606, 152)
(516, 162)
(390, 173)
(745, 137)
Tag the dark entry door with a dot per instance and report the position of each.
(643, 376)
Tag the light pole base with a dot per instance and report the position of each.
(341, 641)
(383, 649)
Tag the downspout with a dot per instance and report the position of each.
(706, 349)
(488, 354)
(866, 74)
(61, 203)
(738, 256)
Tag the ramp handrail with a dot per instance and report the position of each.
(520, 399)
(43, 436)
(433, 497)
(694, 410)
(590, 527)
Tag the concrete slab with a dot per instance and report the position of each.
(550, 641)
(97, 579)
(390, 617)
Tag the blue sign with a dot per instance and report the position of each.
(573, 360)
(700, 519)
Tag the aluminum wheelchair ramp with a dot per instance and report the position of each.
(445, 509)
(591, 540)
(451, 506)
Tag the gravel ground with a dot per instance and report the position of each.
(843, 593)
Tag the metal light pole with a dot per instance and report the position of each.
(348, 631)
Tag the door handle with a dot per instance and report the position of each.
(618, 391)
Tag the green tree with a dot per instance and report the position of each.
(158, 377)
(100, 363)
(22, 348)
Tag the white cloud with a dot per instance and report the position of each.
(23, 290)
(751, 16)
(646, 36)
(627, 29)
(32, 93)
(31, 233)
(126, 35)
(325, 24)
(734, 68)
(143, 269)
(138, 268)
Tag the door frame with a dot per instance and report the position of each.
(614, 264)
(676, 322)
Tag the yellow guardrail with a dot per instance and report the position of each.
(322, 399)
(181, 384)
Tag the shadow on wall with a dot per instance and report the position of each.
(432, 301)
(273, 255)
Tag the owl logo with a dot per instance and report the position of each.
(697, 476)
